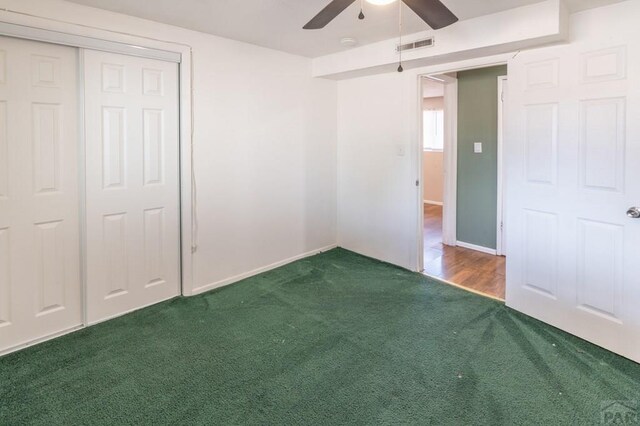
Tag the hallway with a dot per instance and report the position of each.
(476, 271)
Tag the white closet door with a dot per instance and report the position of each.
(132, 192)
(39, 228)
(573, 157)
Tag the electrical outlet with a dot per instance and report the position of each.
(477, 147)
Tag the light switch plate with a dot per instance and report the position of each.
(477, 147)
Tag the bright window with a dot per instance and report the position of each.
(433, 127)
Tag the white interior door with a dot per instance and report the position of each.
(40, 290)
(573, 160)
(132, 187)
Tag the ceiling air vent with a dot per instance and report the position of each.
(427, 42)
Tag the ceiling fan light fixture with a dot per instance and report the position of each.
(433, 12)
(380, 2)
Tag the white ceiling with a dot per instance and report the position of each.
(277, 24)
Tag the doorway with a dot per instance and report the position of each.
(462, 139)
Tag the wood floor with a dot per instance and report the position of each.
(471, 269)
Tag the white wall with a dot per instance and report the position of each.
(376, 178)
(379, 141)
(433, 161)
(265, 145)
(379, 205)
(433, 177)
(436, 102)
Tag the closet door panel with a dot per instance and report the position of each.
(40, 287)
(131, 110)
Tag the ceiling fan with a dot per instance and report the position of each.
(433, 12)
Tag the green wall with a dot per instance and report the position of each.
(478, 173)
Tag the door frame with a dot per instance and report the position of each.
(450, 158)
(500, 217)
(450, 163)
(39, 28)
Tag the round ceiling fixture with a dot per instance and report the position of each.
(380, 2)
(348, 41)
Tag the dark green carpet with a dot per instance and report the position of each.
(334, 339)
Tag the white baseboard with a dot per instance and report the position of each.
(240, 277)
(476, 248)
(433, 203)
(129, 311)
(39, 340)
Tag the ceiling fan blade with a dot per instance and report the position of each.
(433, 12)
(328, 14)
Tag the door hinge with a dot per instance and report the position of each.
(417, 183)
